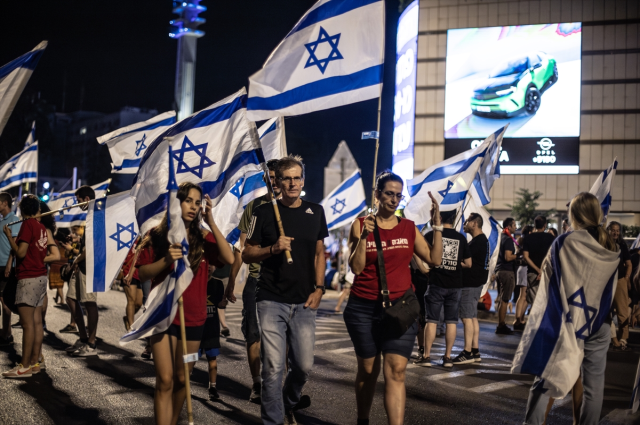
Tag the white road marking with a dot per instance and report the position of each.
(495, 386)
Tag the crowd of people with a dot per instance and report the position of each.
(401, 285)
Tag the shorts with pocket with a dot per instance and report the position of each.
(469, 302)
(31, 291)
(78, 288)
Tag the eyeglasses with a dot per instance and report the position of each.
(289, 180)
(399, 196)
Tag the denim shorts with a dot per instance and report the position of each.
(363, 319)
(469, 302)
(436, 298)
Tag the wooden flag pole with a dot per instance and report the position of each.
(52, 212)
(187, 384)
(375, 158)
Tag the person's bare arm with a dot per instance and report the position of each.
(316, 296)
(530, 262)
(432, 255)
(150, 271)
(53, 251)
(466, 263)
(509, 255)
(421, 264)
(254, 253)
(358, 244)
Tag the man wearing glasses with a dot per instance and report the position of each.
(288, 295)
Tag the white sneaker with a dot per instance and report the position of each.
(85, 351)
(76, 346)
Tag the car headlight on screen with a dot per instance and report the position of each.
(506, 92)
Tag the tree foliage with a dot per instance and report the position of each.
(525, 208)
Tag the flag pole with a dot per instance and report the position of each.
(375, 158)
(187, 383)
(52, 212)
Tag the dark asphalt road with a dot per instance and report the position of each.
(117, 386)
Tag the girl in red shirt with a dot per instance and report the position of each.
(154, 263)
(400, 239)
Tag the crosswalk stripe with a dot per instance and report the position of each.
(342, 350)
(331, 341)
(495, 386)
(441, 376)
(329, 333)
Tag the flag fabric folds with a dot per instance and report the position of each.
(332, 57)
(450, 180)
(110, 233)
(214, 148)
(127, 145)
(273, 139)
(20, 168)
(573, 301)
(74, 216)
(345, 202)
(13, 78)
(602, 187)
(489, 170)
(31, 138)
(162, 303)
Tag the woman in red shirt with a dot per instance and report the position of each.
(400, 240)
(155, 262)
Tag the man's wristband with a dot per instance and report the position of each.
(438, 228)
(271, 250)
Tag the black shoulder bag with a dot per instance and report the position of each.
(400, 315)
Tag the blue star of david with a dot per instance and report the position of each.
(200, 150)
(578, 299)
(334, 55)
(237, 188)
(121, 229)
(444, 192)
(339, 206)
(69, 202)
(140, 146)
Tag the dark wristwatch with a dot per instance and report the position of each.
(324, 290)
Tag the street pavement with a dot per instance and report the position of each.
(116, 387)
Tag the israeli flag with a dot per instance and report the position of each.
(31, 138)
(110, 233)
(574, 299)
(20, 168)
(345, 202)
(74, 216)
(162, 303)
(273, 139)
(127, 145)
(602, 187)
(214, 148)
(449, 181)
(13, 78)
(332, 57)
(636, 243)
(489, 171)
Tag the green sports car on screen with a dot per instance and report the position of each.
(515, 86)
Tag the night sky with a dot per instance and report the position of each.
(105, 55)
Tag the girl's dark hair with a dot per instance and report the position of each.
(62, 234)
(527, 229)
(387, 176)
(157, 237)
(47, 221)
(29, 205)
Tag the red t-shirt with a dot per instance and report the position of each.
(397, 250)
(195, 296)
(32, 265)
(126, 266)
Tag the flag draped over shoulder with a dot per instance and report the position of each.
(213, 148)
(110, 233)
(574, 299)
(127, 144)
(345, 202)
(162, 303)
(13, 78)
(332, 57)
(449, 181)
(20, 168)
(602, 187)
(74, 216)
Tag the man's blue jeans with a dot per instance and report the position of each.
(281, 326)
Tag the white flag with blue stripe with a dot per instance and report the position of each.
(576, 290)
(489, 170)
(162, 303)
(13, 78)
(602, 187)
(74, 216)
(20, 168)
(110, 233)
(332, 57)
(449, 181)
(127, 145)
(345, 202)
(273, 139)
(31, 138)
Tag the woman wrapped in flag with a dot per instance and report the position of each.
(155, 262)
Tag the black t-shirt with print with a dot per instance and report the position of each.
(506, 244)
(478, 274)
(455, 249)
(537, 244)
(279, 281)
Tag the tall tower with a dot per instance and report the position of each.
(187, 34)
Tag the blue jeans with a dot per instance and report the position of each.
(283, 325)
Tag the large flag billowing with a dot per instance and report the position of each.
(13, 78)
(345, 202)
(489, 170)
(127, 145)
(602, 187)
(449, 181)
(20, 168)
(573, 301)
(273, 139)
(110, 233)
(214, 148)
(332, 57)
(162, 304)
(74, 216)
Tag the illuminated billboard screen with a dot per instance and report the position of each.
(527, 76)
